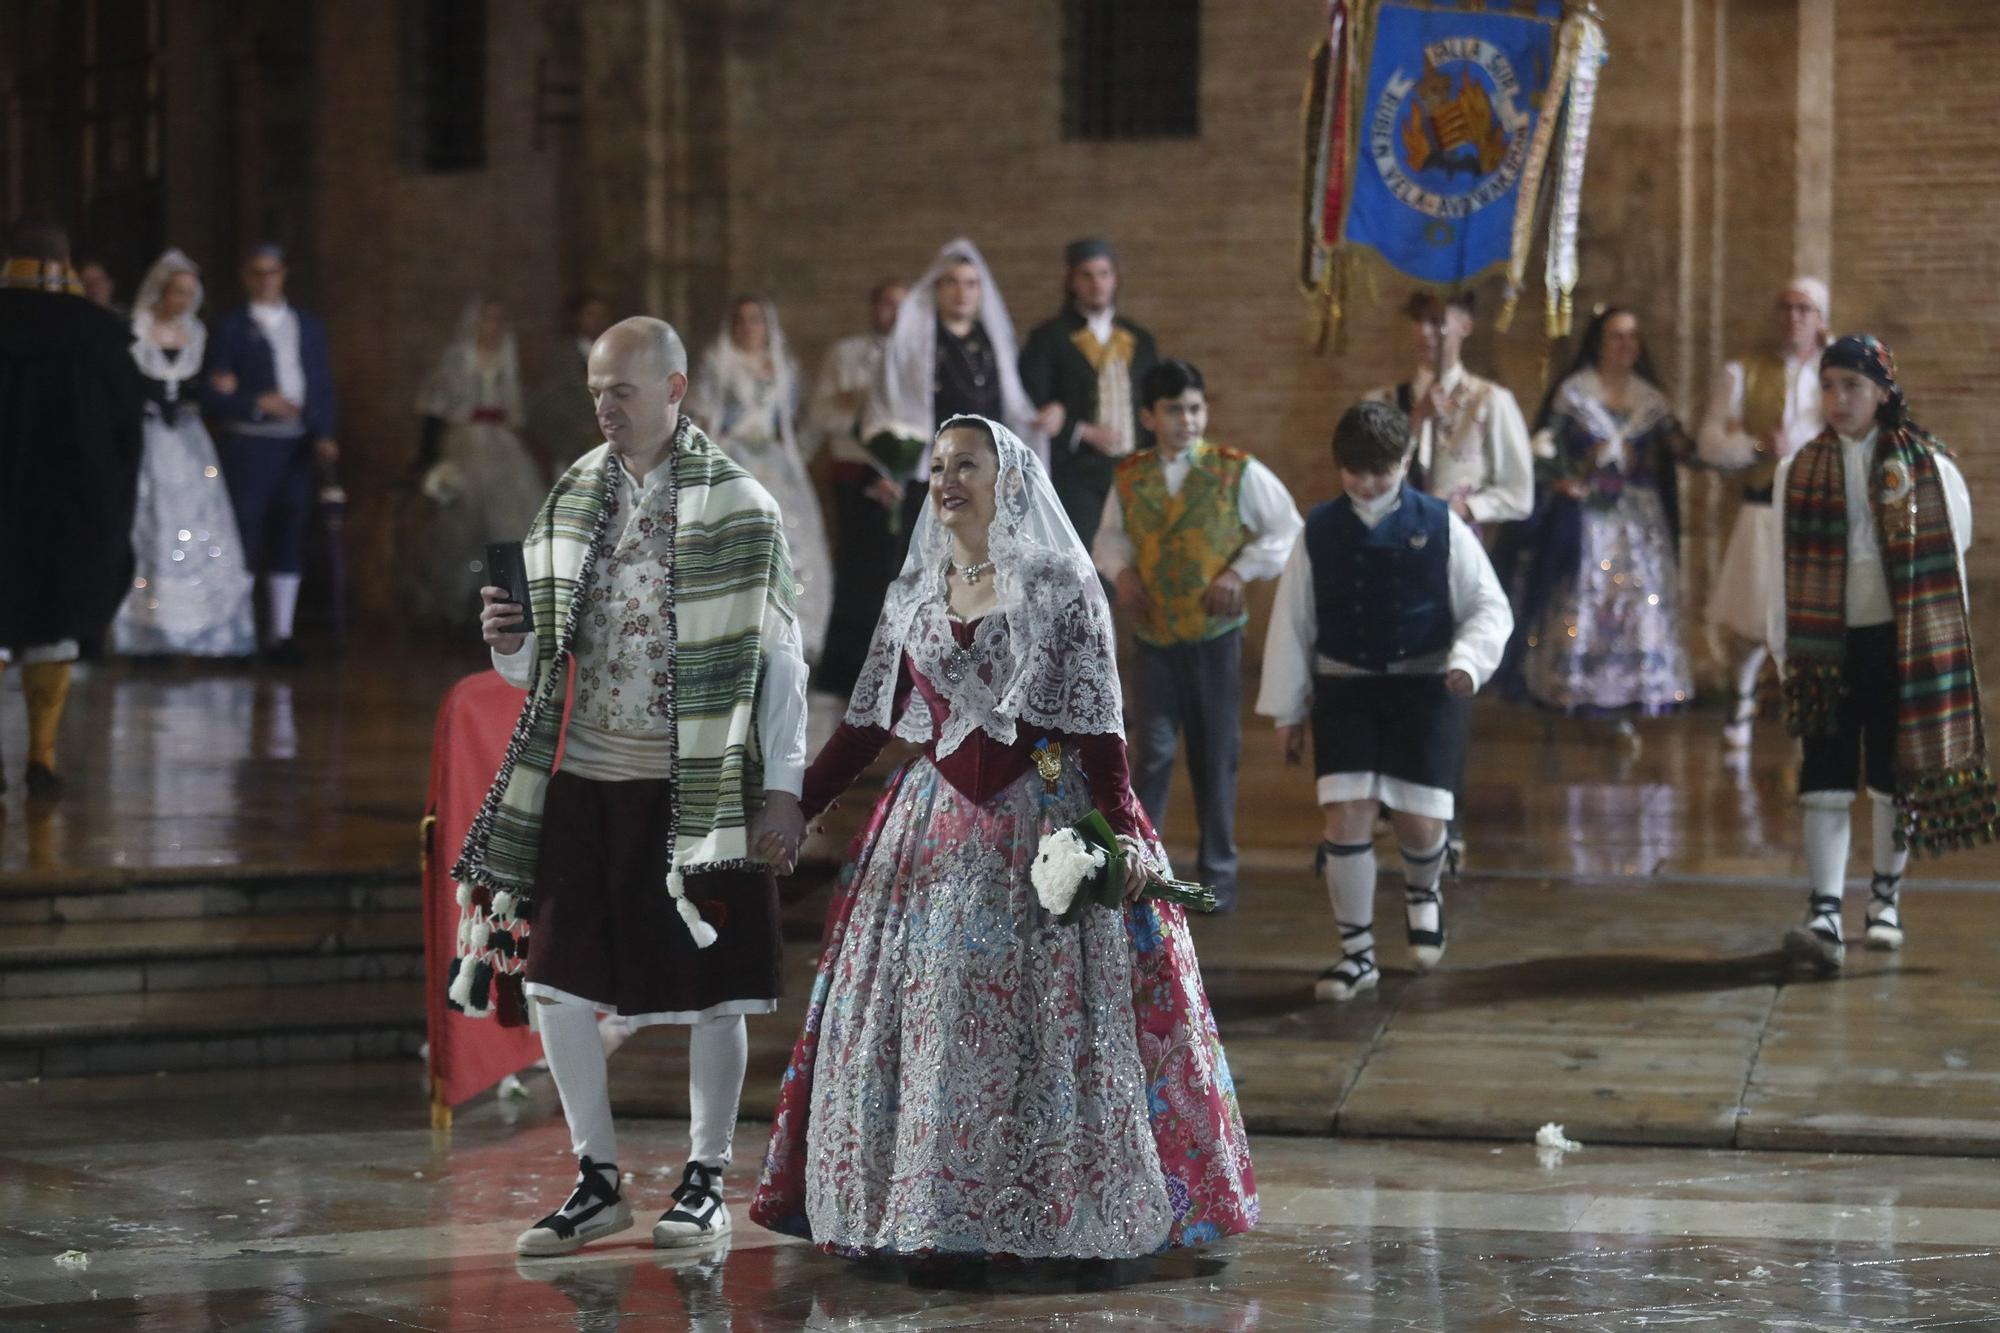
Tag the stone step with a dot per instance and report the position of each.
(240, 1027)
(30, 900)
(208, 953)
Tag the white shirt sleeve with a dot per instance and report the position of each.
(1958, 501)
(1479, 608)
(1511, 495)
(1266, 508)
(1111, 549)
(518, 667)
(1722, 442)
(1285, 693)
(781, 707)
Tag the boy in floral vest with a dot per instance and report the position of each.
(1187, 524)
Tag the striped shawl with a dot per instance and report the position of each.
(1945, 795)
(730, 586)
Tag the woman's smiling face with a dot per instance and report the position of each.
(964, 471)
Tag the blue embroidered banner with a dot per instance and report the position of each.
(1443, 131)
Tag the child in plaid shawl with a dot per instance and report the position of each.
(1876, 645)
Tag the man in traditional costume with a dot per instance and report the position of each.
(1763, 409)
(1871, 626)
(270, 384)
(1187, 524)
(865, 495)
(1083, 370)
(1472, 448)
(622, 861)
(71, 438)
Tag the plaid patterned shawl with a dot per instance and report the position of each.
(1945, 790)
(730, 585)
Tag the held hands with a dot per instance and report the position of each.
(496, 611)
(1292, 736)
(1459, 683)
(1571, 487)
(1224, 597)
(776, 830)
(222, 382)
(1132, 594)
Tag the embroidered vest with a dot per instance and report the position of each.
(1181, 542)
(1382, 595)
(1766, 390)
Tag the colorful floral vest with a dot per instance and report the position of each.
(1181, 542)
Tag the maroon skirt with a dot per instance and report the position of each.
(604, 929)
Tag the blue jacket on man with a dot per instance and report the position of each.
(237, 346)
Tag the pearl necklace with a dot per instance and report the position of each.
(970, 573)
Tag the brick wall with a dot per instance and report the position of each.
(401, 251)
(1917, 225)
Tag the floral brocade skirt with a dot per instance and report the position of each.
(1610, 637)
(976, 1079)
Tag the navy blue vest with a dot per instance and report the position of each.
(1382, 595)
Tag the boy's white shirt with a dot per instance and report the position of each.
(1262, 503)
(1482, 620)
(1868, 600)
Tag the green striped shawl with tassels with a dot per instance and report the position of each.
(730, 588)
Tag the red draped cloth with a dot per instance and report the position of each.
(468, 1055)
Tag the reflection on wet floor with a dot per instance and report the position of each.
(309, 1202)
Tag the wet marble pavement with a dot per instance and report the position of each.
(305, 1200)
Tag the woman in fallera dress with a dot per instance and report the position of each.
(1598, 605)
(976, 1078)
(746, 396)
(481, 480)
(190, 587)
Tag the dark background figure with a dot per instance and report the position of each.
(562, 421)
(1071, 370)
(71, 406)
(270, 384)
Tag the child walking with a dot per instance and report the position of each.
(1389, 617)
(1876, 645)
(1187, 524)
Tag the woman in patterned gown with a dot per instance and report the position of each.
(1597, 610)
(975, 1078)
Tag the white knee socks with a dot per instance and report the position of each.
(1827, 835)
(576, 1058)
(1423, 903)
(1350, 886)
(281, 599)
(718, 1053)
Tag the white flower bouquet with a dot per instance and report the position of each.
(1085, 864)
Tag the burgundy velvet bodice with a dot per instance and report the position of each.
(981, 767)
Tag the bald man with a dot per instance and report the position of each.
(623, 861)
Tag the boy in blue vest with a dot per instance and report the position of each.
(1388, 617)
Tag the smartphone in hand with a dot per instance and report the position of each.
(505, 568)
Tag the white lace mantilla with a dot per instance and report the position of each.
(1045, 655)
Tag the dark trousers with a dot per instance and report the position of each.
(1863, 744)
(271, 489)
(1193, 689)
(866, 558)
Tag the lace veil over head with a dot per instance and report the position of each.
(193, 333)
(1045, 655)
